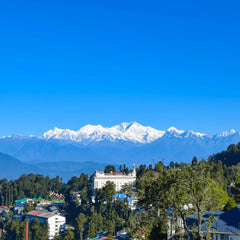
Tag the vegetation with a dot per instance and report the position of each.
(229, 157)
(182, 192)
(164, 192)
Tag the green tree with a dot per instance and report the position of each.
(92, 228)
(174, 189)
(127, 189)
(69, 235)
(108, 191)
(109, 168)
(35, 229)
(194, 161)
(230, 204)
(110, 228)
(28, 207)
(81, 220)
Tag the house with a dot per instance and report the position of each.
(224, 225)
(53, 209)
(4, 210)
(99, 235)
(123, 197)
(58, 203)
(40, 207)
(57, 196)
(22, 202)
(18, 210)
(140, 235)
(56, 222)
(123, 234)
(76, 196)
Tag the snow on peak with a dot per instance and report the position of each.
(182, 133)
(174, 130)
(133, 132)
(232, 131)
(58, 133)
(192, 133)
(125, 126)
(226, 133)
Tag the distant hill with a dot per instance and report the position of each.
(66, 170)
(12, 168)
(229, 157)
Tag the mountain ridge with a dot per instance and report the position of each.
(132, 132)
(126, 143)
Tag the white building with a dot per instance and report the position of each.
(56, 222)
(118, 178)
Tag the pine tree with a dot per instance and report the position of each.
(81, 220)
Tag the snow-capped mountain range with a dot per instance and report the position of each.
(130, 132)
(125, 143)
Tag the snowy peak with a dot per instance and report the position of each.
(181, 133)
(174, 130)
(135, 132)
(227, 133)
(59, 134)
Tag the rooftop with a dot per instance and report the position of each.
(122, 197)
(224, 222)
(41, 214)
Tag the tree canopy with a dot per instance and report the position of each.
(182, 192)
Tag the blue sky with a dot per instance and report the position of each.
(160, 63)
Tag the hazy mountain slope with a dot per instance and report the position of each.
(66, 170)
(12, 168)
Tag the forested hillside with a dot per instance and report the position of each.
(229, 157)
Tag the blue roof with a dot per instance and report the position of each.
(224, 222)
(122, 197)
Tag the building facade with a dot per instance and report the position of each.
(56, 222)
(118, 178)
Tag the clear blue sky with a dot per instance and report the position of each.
(160, 63)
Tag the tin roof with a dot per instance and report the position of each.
(40, 214)
(224, 222)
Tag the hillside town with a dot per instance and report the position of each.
(121, 204)
(52, 211)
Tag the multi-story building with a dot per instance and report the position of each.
(56, 222)
(118, 178)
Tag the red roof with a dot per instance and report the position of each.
(40, 214)
(35, 213)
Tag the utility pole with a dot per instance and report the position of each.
(26, 230)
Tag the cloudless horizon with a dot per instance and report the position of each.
(70, 63)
